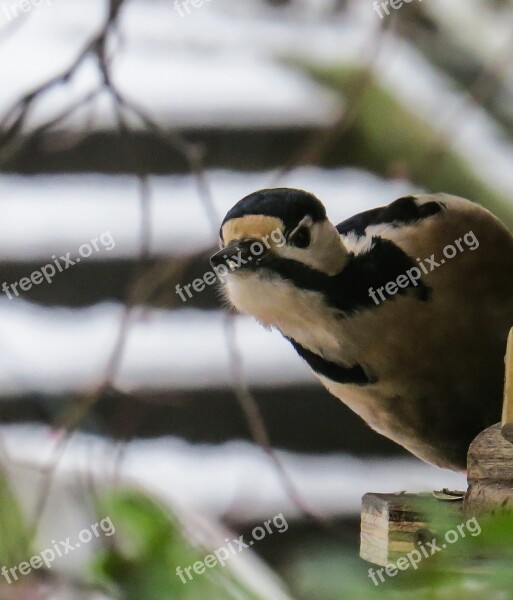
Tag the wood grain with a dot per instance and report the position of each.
(507, 409)
(490, 473)
(393, 524)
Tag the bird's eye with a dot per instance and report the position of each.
(301, 239)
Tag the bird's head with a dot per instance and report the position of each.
(273, 242)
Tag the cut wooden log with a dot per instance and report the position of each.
(395, 524)
(507, 409)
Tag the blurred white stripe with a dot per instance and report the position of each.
(54, 350)
(45, 215)
(235, 480)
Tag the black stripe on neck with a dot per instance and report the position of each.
(348, 291)
(333, 371)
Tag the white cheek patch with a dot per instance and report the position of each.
(326, 252)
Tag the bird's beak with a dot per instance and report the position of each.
(237, 255)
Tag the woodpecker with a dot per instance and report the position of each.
(402, 311)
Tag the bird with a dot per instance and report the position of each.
(402, 311)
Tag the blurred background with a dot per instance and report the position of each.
(127, 130)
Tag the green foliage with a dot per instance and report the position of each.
(142, 556)
(476, 566)
(14, 534)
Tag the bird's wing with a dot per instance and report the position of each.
(357, 224)
(404, 211)
(382, 262)
(373, 238)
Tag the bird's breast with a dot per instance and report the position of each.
(302, 315)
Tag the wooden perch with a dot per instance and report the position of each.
(394, 524)
(507, 409)
(490, 457)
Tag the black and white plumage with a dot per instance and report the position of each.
(424, 366)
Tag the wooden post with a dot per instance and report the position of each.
(490, 456)
(507, 409)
